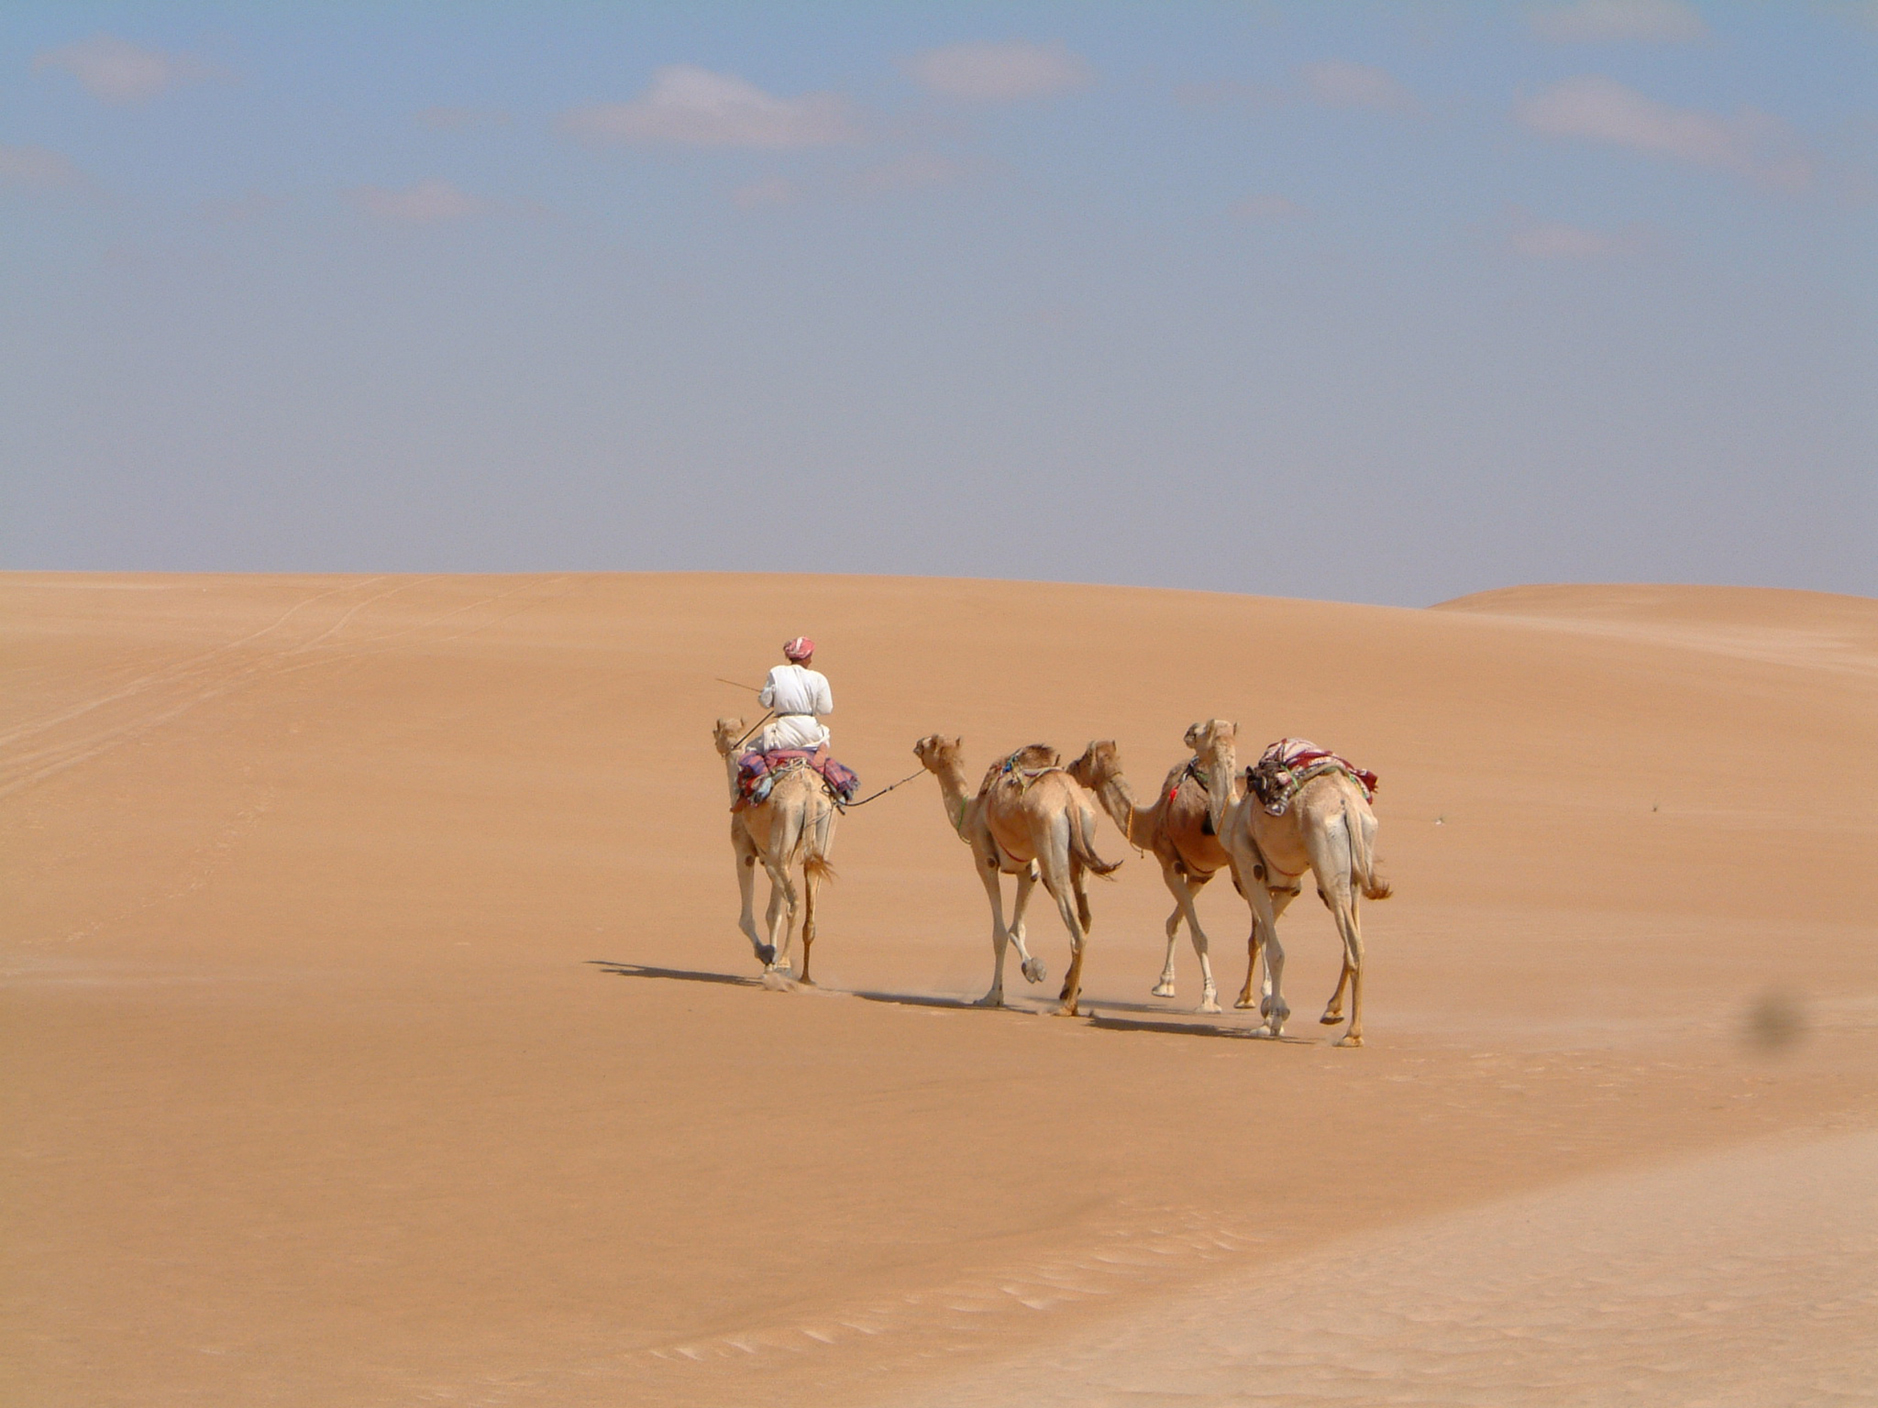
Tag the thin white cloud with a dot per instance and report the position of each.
(455, 119)
(1597, 109)
(114, 70)
(429, 202)
(1555, 240)
(694, 107)
(1269, 207)
(1605, 21)
(1339, 84)
(37, 168)
(1007, 72)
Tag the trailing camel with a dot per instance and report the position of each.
(793, 828)
(1325, 827)
(1030, 820)
(1181, 827)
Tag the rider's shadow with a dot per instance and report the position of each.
(683, 975)
(1170, 1028)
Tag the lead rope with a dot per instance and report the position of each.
(847, 806)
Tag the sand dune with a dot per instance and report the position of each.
(378, 1030)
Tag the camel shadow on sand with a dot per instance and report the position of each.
(692, 975)
(1150, 1021)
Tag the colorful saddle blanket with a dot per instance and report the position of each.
(757, 773)
(1284, 768)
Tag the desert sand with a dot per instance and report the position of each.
(377, 1031)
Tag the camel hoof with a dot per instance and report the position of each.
(1066, 1010)
(1210, 1005)
(1245, 1004)
(1274, 1030)
(1034, 970)
(782, 966)
(1163, 990)
(990, 999)
(1330, 1019)
(766, 955)
(1348, 1040)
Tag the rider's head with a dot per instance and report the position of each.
(799, 651)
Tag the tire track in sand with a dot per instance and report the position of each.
(164, 695)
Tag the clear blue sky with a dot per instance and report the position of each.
(1370, 302)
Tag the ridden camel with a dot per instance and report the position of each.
(794, 827)
(1181, 828)
(1328, 829)
(1030, 820)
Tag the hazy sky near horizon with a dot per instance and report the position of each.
(1372, 302)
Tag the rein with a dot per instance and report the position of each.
(849, 806)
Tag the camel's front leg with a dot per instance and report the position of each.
(1173, 881)
(782, 916)
(746, 891)
(1263, 943)
(988, 873)
(1273, 1007)
(1033, 968)
(1183, 891)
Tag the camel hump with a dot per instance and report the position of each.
(1031, 758)
(1178, 774)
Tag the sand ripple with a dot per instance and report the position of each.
(1739, 1279)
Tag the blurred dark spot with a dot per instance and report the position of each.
(1775, 1021)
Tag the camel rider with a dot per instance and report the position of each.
(799, 697)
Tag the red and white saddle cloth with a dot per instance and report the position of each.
(1288, 764)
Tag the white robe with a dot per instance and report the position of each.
(799, 696)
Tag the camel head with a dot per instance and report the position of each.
(726, 734)
(937, 753)
(1100, 763)
(1215, 743)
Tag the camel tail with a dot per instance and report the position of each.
(819, 868)
(1083, 848)
(1363, 861)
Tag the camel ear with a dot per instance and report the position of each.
(1192, 739)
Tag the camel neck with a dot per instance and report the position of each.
(951, 777)
(1118, 800)
(1133, 821)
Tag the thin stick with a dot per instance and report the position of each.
(754, 727)
(754, 689)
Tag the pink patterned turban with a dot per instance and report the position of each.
(801, 648)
